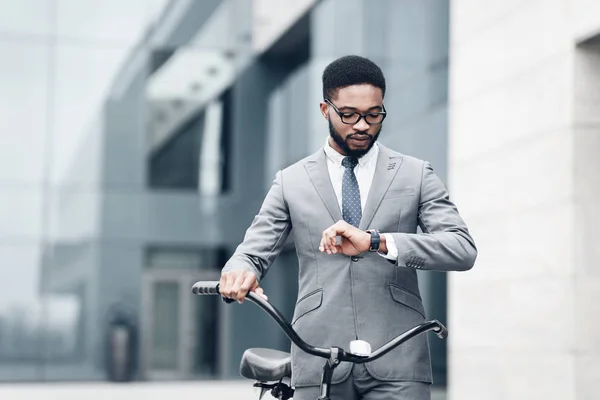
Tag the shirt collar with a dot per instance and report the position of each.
(337, 158)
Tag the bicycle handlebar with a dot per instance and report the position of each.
(212, 288)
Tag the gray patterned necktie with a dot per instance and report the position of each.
(351, 207)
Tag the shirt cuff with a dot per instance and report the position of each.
(392, 250)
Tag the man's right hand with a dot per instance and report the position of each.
(237, 283)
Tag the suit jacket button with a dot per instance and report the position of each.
(354, 258)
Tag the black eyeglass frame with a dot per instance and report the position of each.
(360, 116)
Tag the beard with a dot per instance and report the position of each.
(345, 147)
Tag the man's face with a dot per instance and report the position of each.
(354, 138)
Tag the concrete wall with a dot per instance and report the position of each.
(523, 151)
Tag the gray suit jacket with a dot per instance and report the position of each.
(342, 298)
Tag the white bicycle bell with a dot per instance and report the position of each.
(360, 348)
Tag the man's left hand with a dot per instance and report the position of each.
(354, 241)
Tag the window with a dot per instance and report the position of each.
(196, 156)
(175, 164)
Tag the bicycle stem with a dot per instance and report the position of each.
(327, 376)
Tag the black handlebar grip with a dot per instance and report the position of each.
(209, 287)
(442, 332)
(206, 287)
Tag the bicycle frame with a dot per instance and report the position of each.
(333, 355)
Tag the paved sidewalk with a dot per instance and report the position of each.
(229, 390)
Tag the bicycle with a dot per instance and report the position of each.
(268, 365)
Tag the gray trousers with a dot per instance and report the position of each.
(360, 385)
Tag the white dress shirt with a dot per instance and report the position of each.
(364, 171)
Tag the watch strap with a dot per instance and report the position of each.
(375, 239)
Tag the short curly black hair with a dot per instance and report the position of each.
(351, 70)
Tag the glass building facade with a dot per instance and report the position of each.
(140, 139)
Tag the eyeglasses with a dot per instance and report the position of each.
(352, 118)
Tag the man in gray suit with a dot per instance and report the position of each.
(363, 286)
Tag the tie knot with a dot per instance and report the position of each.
(349, 162)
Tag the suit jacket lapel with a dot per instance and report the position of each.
(316, 167)
(388, 164)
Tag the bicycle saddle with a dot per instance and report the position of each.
(265, 364)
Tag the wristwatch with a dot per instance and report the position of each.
(375, 239)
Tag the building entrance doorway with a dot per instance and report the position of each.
(179, 330)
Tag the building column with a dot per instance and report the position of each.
(524, 141)
(586, 240)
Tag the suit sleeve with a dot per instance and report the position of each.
(266, 236)
(445, 244)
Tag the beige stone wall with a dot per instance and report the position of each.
(524, 169)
